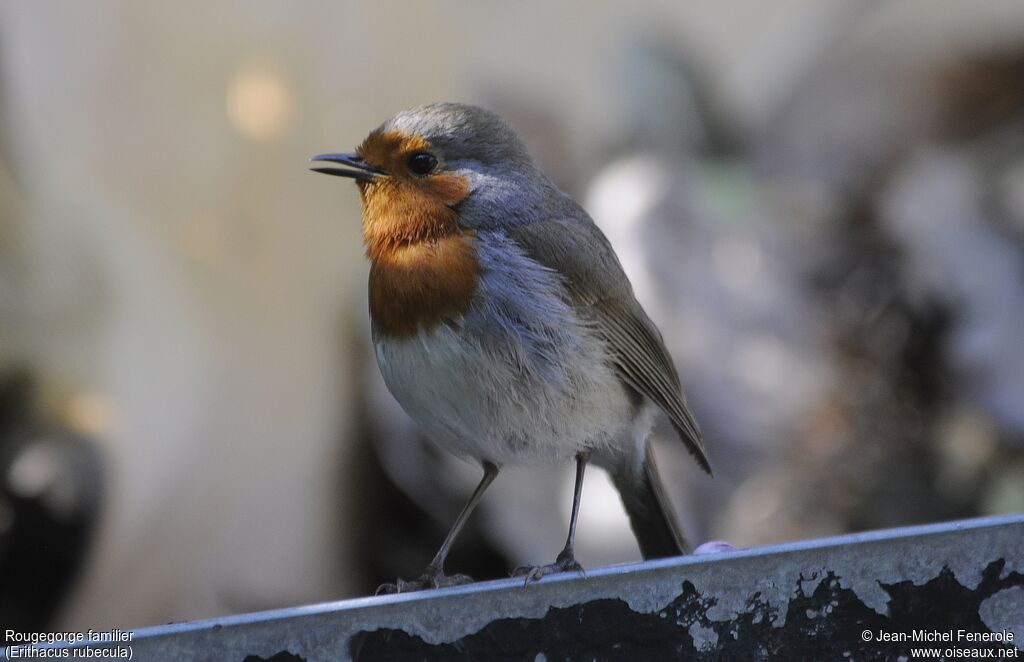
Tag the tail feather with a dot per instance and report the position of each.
(650, 511)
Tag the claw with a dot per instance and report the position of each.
(565, 562)
(426, 581)
(387, 589)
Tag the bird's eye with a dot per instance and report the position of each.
(422, 162)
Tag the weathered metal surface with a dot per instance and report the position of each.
(838, 598)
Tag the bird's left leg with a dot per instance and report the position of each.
(566, 560)
(433, 576)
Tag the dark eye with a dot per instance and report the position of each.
(422, 162)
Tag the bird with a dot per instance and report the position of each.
(503, 323)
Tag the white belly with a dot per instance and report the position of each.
(482, 405)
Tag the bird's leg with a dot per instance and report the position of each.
(433, 576)
(566, 560)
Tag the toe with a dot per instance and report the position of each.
(532, 573)
(442, 581)
(386, 589)
(425, 581)
(568, 565)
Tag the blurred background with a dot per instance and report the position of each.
(820, 202)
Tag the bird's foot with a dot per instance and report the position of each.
(566, 562)
(429, 579)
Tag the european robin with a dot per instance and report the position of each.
(503, 323)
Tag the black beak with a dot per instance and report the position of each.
(357, 168)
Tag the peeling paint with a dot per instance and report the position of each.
(829, 617)
(790, 601)
(1003, 611)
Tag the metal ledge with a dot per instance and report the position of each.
(849, 597)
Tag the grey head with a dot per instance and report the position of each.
(464, 134)
(505, 186)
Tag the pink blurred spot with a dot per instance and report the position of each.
(714, 546)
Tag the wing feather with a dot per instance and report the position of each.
(578, 250)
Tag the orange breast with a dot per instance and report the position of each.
(424, 269)
(420, 285)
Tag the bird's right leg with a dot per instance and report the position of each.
(433, 576)
(566, 561)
